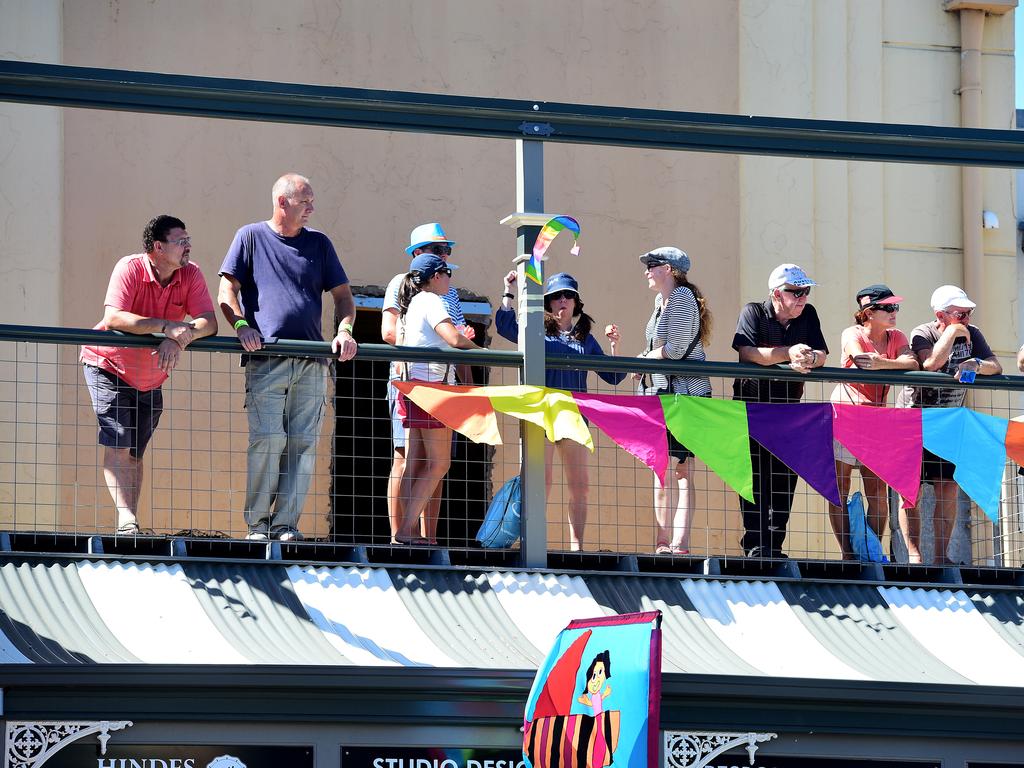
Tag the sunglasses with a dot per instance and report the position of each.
(798, 293)
(437, 249)
(885, 307)
(959, 315)
(567, 294)
(444, 271)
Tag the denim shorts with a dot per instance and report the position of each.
(127, 417)
(397, 428)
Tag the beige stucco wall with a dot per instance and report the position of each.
(849, 223)
(31, 164)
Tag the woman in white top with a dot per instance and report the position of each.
(425, 323)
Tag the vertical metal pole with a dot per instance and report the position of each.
(530, 199)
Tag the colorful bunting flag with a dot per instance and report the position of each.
(467, 410)
(800, 436)
(716, 432)
(596, 698)
(553, 409)
(886, 440)
(976, 443)
(634, 423)
(1015, 440)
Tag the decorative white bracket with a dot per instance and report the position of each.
(29, 745)
(697, 749)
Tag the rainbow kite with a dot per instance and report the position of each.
(534, 267)
(719, 433)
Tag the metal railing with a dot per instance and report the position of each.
(52, 478)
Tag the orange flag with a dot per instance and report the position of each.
(467, 410)
(1015, 440)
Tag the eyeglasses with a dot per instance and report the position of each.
(437, 249)
(566, 294)
(885, 307)
(798, 293)
(654, 264)
(182, 241)
(959, 315)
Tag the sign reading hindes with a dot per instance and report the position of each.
(431, 757)
(88, 755)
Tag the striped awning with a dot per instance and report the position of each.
(121, 612)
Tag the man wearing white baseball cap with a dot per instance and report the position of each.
(426, 238)
(783, 329)
(948, 344)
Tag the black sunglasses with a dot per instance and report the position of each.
(437, 249)
(444, 271)
(798, 293)
(886, 307)
(566, 294)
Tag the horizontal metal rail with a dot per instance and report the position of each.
(264, 101)
(511, 359)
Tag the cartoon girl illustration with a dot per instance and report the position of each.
(595, 691)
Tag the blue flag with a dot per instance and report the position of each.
(596, 699)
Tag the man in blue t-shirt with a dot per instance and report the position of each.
(272, 282)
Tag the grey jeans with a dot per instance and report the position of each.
(285, 399)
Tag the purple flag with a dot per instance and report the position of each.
(800, 436)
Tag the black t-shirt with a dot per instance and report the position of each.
(757, 327)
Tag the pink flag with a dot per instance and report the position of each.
(635, 423)
(886, 440)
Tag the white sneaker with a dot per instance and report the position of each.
(257, 535)
(289, 534)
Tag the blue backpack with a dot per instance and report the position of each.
(865, 542)
(501, 523)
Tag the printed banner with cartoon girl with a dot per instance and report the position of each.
(595, 701)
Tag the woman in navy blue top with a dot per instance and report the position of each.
(566, 332)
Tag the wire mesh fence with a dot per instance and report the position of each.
(55, 477)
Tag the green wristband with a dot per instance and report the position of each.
(347, 327)
(243, 323)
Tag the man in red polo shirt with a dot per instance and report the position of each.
(149, 292)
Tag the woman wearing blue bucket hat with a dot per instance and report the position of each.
(566, 332)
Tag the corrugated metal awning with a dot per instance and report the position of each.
(110, 612)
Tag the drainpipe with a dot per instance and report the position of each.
(972, 28)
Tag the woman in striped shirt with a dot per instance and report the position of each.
(679, 328)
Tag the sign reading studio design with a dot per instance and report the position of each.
(430, 757)
(177, 756)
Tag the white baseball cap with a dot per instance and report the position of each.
(948, 296)
(789, 274)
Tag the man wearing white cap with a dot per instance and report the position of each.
(426, 238)
(949, 344)
(784, 329)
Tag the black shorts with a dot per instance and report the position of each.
(935, 468)
(126, 416)
(677, 450)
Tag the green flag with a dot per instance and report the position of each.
(716, 431)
